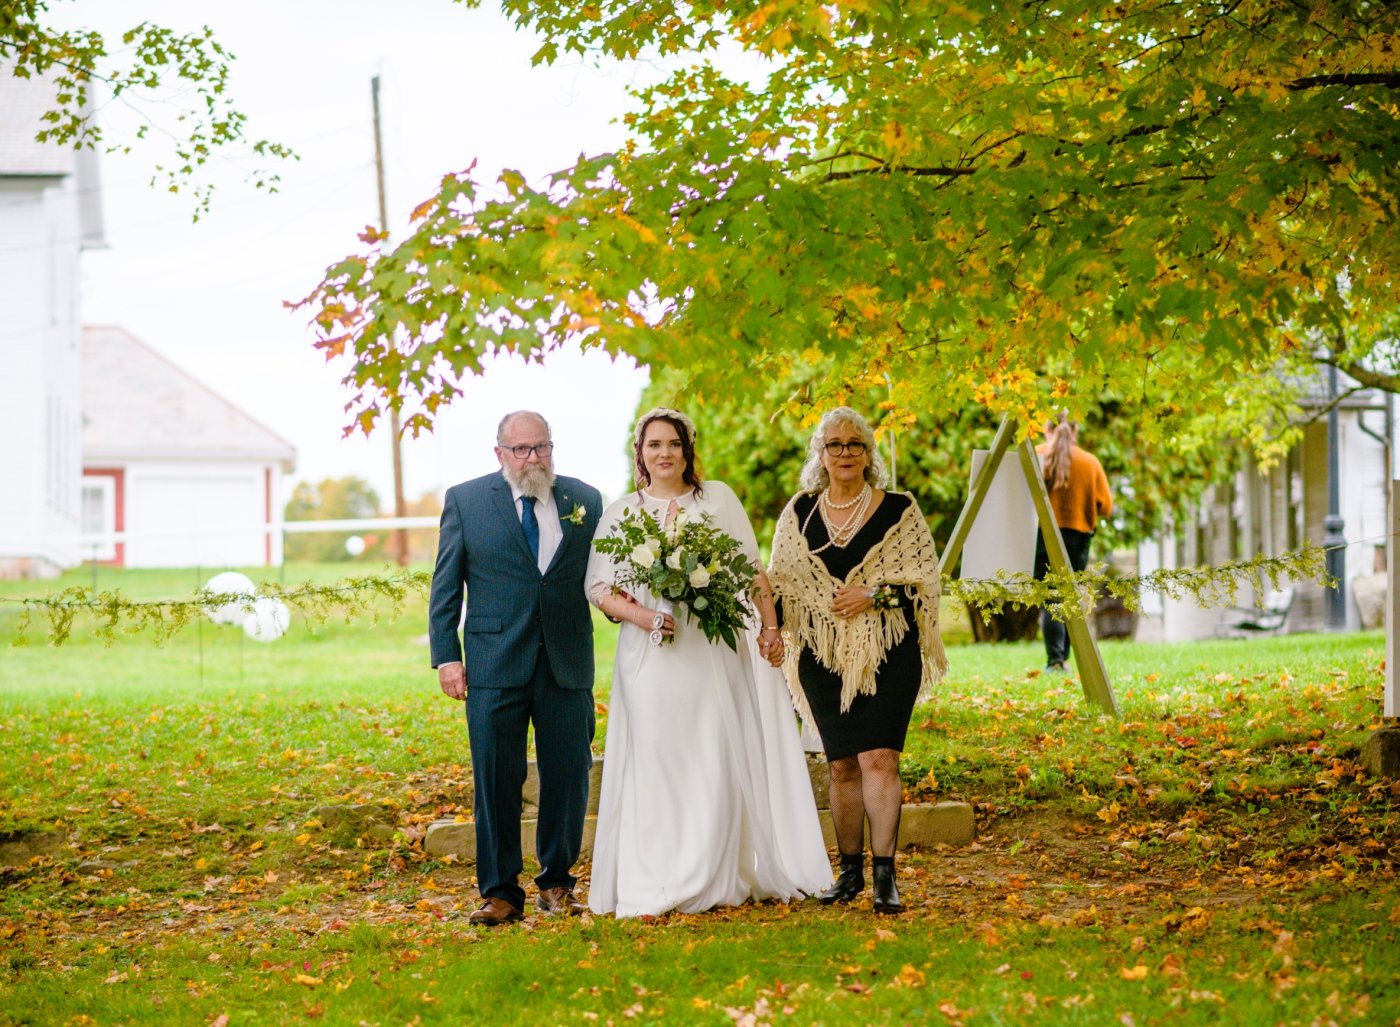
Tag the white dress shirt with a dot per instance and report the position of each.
(551, 531)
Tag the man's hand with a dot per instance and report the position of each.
(452, 678)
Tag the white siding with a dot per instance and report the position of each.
(40, 420)
(1362, 461)
(195, 514)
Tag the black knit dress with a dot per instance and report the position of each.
(876, 721)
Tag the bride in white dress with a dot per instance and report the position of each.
(706, 800)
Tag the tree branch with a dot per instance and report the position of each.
(1390, 79)
(1367, 378)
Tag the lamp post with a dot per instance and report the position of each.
(1333, 539)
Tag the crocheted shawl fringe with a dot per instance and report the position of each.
(855, 647)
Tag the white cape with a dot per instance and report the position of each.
(706, 799)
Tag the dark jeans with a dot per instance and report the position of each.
(1055, 632)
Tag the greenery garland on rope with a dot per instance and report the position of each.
(356, 596)
(118, 614)
(1208, 586)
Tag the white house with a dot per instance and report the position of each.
(49, 213)
(187, 477)
(1276, 511)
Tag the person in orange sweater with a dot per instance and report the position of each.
(1079, 497)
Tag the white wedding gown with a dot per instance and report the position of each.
(706, 799)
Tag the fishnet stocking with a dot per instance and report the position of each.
(866, 787)
(883, 798)
(847, 805)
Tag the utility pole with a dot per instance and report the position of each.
(395, 429)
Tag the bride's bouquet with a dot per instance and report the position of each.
(690, 563)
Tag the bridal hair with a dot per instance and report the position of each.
(1060, 437)
(814, 475)
(685, 430)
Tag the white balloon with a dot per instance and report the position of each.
(354, 545)
(268, 621)
(230, 583)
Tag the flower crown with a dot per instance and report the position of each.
(675, 415)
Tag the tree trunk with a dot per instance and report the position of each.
(1007, 626)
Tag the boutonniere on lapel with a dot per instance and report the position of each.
(577, 514)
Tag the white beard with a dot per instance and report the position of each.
(535, 481)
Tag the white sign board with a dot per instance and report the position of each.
(1003, 534)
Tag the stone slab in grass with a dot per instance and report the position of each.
(332, 817)
(530, 791)
(451, 838)
(19, 847)
(921, 825)
(1380, 754)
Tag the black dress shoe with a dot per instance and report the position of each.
(849, 883)
(886, 894)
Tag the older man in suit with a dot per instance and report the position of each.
(518, 540)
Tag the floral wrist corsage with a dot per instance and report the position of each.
(884, 597)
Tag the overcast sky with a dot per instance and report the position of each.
(456, 86)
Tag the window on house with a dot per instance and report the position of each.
(1294, 498)
(99, 517)
(1238, 515)
(1200, 554)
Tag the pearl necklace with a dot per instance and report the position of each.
(826, 498)
(840, 535)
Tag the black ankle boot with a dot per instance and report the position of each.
(849, 883)
(886, 894)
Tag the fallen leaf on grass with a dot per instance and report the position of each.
(1109, 813)
(1134, 973)
(908, 977)
(307, 980)
(1190, 920)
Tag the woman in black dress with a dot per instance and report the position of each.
(857, 573)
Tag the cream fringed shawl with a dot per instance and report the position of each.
(855, 647)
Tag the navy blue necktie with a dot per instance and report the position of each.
(531, 525)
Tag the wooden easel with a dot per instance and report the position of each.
(1087, 659)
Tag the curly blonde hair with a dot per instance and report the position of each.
(814, 475)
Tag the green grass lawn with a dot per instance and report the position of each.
(1214, 856)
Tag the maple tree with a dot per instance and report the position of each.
(760, 453)
(1009, 205)
(80, 62)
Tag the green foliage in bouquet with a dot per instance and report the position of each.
(692, 563)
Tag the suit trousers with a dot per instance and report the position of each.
(498, 721)
(1055, 631)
